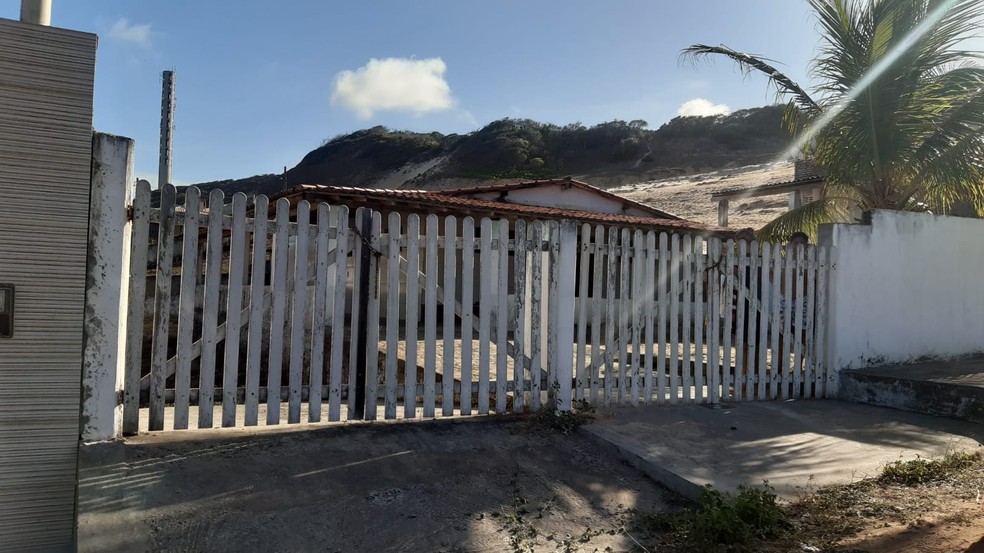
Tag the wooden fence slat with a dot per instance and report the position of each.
(338, 316)
(744, 349)
(430, 315)
(761, 254)
(624, 315)
(776, 365)
(319, 315)
(809, 354)
(715, 263)
(450, 286)
(687, 323)
(210, 308)
(699, 277)
(467, 303)
(782, 369)
(186, 307)
(254, 348)
(536, 310)
(566, 261)
(484, 313)
(662, 306)
(137, 290)
(728, 375)
(234, 299)
(611, 317)
(519, 321)
(650, 313)
(162, 308)
(732, 387)
(298, 327)
(676, 261)
(553, 299)
(278, 317)
(502, 319)
(393, 230)
(357, 314)
(372, 319)
(638, 315)
(597, 305)
(413, 316)
(581, 380)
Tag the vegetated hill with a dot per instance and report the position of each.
(608, 154)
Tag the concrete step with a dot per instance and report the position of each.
(953, 388)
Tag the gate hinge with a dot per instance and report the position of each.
(129, 213)
(119, 397)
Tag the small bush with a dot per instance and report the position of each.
(736, 521)
(565, 422)
(921, 471)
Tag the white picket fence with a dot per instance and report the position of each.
(248, 319)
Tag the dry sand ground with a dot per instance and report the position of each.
(690, 196)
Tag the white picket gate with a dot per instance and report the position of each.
(249, 318)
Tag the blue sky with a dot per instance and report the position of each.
(261, 83)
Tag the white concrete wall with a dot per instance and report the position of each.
(905, 287)
(105, 314)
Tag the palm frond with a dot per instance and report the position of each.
(785, 87)
(806, 218)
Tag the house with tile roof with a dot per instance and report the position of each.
(806, 187)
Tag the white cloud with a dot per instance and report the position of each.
(124, 31)
(702, 107)
(393, 84)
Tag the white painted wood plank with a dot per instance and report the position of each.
(413, 316)
(430, 315)
(798, 316)
(357, 314)
(698, 361)
(597, 304)
(210, 309)
(393, 231)
(278, 316)
(139, 239)
(762, 255)
(234, 305)
(186, 307)
(624, 315)
(662, 308)
(319, 314)
(536, 309)
(734, 323)
(676, 260)
(582, 380)
(162, 308)
(611, 317)
(502, 318)
(824, 384)
(649, 287)
(519, 321)
(638, 313)
(256, 311)
(809, 354)
(687, 323)
(782, 368)
(566, 272)
(715, 270)
(727, 308)
(553, 299)
(297, 318)
(776, 365)
(450, 286)
(467, 310)
(372, 320)
(338, 316)
(744, 351)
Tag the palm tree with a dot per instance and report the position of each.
(896, 120)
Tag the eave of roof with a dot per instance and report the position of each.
(565, 181)
(426, 201)
(770, 189)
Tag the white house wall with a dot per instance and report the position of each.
(560, 197)
(905, 287)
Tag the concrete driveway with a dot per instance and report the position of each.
(470, 485)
